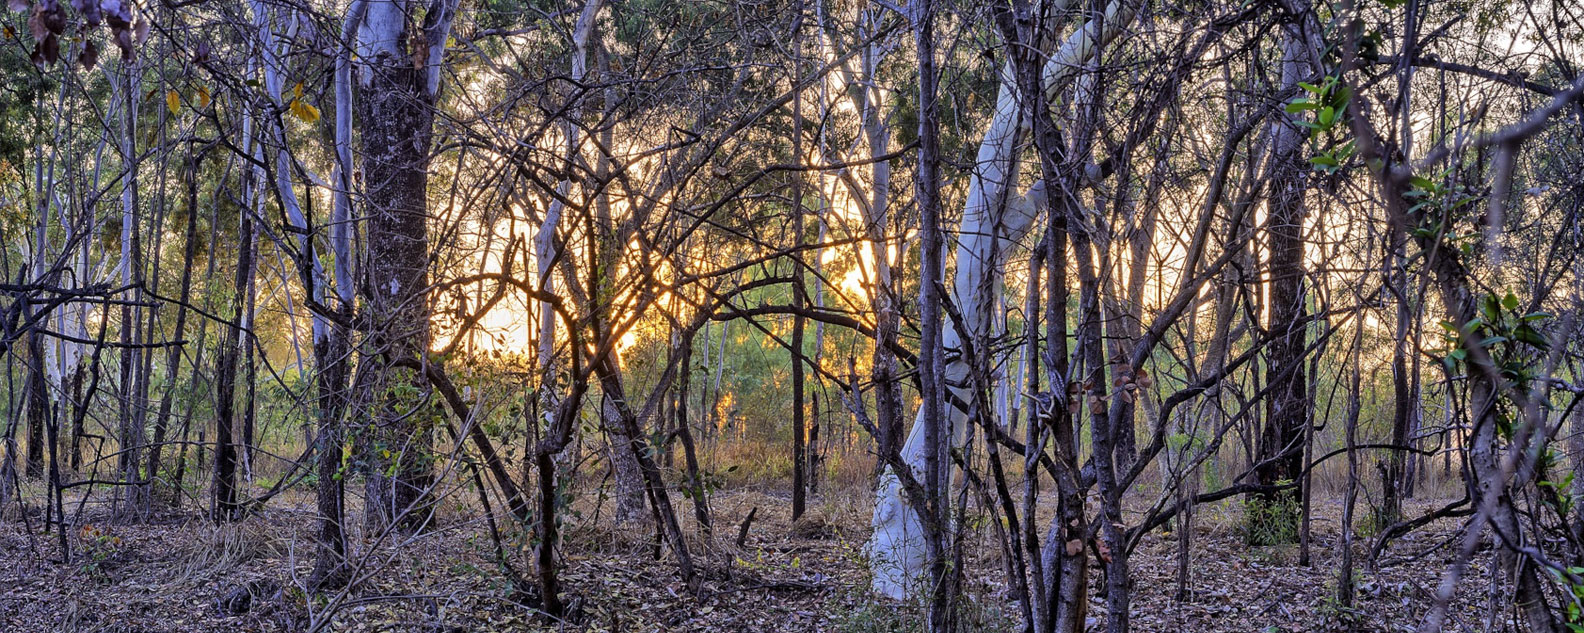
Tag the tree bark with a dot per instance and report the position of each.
(1280, 450)
(396, 108)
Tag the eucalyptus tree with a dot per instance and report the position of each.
(395, 105)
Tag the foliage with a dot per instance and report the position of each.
(1271, 520)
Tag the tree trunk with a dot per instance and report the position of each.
(131, 434)
(173, 358)
(697, 491)
(38, 405)
(625, 470)
(1280, 445)
(225, 464)
(639, 450)
(799, 296)
(937, 429)
(396, 108)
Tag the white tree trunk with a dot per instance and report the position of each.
(545, 253)
(897, 548)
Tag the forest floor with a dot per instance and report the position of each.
(179, 573)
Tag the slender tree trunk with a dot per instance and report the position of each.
(799, 424)
(1397, 481)
(131, 434)
(225, 464)
(937, 434)
(1344, 595)
(697, 491)
(184, 294)
(1280, 446)
(8, 473)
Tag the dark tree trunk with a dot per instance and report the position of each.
(397, 113)
(1394, 480)
(38, 406)
(1279, 450)
(799, 424)
(813, 466)
(225, 460)
(697, 491)
(76, 381)
(932, 363)
(173, 358)
(332, 356)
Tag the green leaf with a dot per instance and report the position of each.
(1343, 97)
(1492, 340)
(1529, 335)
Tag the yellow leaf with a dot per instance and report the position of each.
(173, 102)
(303, 111)
(297, 90)
(203, 97)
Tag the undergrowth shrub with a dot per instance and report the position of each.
(1270, 521)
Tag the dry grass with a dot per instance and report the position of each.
(212, 550)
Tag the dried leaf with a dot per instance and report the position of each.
(123, 40)
(36, 26)
(89, 57)
(47, 51)
(1074, 546)
(117, 13)
(89, 10)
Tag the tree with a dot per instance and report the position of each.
(396, 104)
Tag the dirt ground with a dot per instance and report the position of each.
(180, 573)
